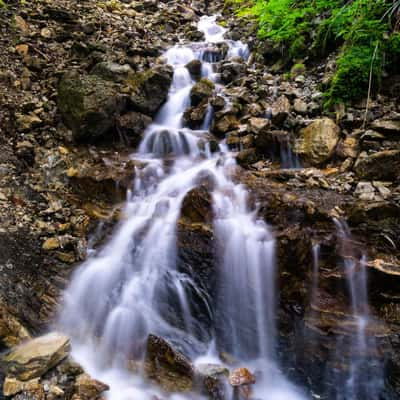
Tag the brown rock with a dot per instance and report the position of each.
(35, 357)
(379, 166)
(316, 143)
(87, 388)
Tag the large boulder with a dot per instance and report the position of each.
(113, 72)
(316, 143)
(379, 166)
(89, 105)
(35, 357)
(201, 92)
(150, 89)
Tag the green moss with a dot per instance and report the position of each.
(352, 76)
(298, 69)
(361, 31)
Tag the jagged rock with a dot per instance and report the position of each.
(87, 388)
(132, 126)
(35, 357)
(380, 166)
(150, 89)
(12, 332)
(89, 105)
(201, 92)
(316, 143)
(194, 68)
(167, 366)
(113, 72)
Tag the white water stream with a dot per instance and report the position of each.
(117, 296)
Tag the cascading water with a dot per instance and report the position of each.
(357, 349)
(117, 297)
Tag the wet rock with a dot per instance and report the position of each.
(241, 376)
(380, 166)
(113, 72)
(150, 89)
(316, 143)
(241, 379)
(132, 126)
(194, 116)
(225, 123)
(89, 105)
(197, 206)
(231, 70)
(201, 92)
(35, 357)
(87, 388)
(167, 366)
(247, 157)
(194, 68)
(211, 380)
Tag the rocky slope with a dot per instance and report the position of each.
(80, 82)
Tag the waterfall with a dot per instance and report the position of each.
(363, 378)
(118, 296)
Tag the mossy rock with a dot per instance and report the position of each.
(89, 105)
(201, 92)
(149, 89)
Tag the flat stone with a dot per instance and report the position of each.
(35, 357)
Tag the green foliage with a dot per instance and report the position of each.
(362, 31)
(2, 4)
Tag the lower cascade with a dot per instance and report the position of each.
(132, 289)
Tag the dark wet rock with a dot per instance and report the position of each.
(89, 105)
(201, 92)
(247, 157)
(167, 366)
(381, 165)
(194, 116)
(197, 205)
(150, 89)
(194, 68)
(316, 143)
(132, 125)
(211, 380)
